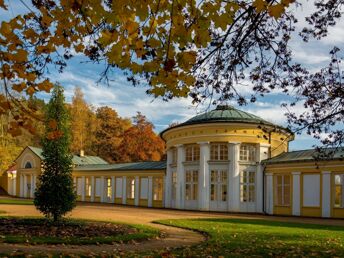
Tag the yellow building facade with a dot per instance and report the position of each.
(222, 160)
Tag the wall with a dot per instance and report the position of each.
(312, 188)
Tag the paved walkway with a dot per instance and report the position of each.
(174, 237)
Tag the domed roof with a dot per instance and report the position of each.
(226, 113)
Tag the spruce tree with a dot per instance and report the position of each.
(55, 194)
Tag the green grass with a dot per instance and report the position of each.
(16, 201)
(243, 238)
(143, 232)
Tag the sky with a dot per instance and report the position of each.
(127, 100)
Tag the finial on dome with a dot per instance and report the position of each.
(224, 107)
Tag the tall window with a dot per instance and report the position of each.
(174, 156)
(338, 200)
(191, 185)
(283, 190)
(192, 153)
(88, 186)
(109, 187)
(157, 188)
(174, 185)
(218, 185)
(247, 186)
(219, 151)
(130, 187)
(247, 152)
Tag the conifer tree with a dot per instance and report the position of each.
(55, 194)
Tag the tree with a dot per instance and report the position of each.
(201, 49)
(55, 194)
(79, 126)
(140, 143)
(109, 133)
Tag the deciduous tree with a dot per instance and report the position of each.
(140, 142)
(201, 49)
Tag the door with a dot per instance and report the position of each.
(248, 190)
(218, 189)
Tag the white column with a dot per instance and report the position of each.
(83, 188)
(113, 182)
(137, 188)
(180, 195)
(326, 194)
(92, 189)
(203, 177)
(168, 180)
(259, 188)
(124, 190)
(14, 181)
(150, 191)
(9, 183)
(262, 154)
(34, 184)
(32, 190)
(296, 193)
(25, 186)
(102, 189)
(269, 201)
(234, 177)
(21, 192)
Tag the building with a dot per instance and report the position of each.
(222, 160)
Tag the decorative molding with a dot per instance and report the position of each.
(325, 172)
(296, 173)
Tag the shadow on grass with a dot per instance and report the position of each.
(273, 224)
(16, 201)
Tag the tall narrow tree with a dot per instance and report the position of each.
(55, 194)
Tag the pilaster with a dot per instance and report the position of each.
(234, 177)
(32, 190)
(25, 186)
(92, 189)
(124, 190)
(203, 176)
(180, 195)
(137, 188)
(83, 183)
(113, 183)
(296, 190)
(102, 189)
(326, 194)
(150, 191)
(168, 180)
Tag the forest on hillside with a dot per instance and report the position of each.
(98, 131)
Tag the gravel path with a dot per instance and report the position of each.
(175, 237)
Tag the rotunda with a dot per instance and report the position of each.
(213, 160)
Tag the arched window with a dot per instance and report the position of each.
(28, 164)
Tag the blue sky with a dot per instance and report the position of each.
(127, 100)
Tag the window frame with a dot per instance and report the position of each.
(158, 188)
(191, 184)
(341, 204)
(130, 191)
(219, 151)
(283, 186)
(248, 155)
(192, 153)
(246, 185)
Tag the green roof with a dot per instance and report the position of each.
(77, 160)
(146, 165)
(226, 114)
(307, 155)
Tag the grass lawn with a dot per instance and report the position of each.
(240, 238)
(126, 233)
(16, 201)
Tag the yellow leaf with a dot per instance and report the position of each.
(46, 85)
(276, 10)
(19, 87)
(260, 5)
(5, 29)
(31, 90)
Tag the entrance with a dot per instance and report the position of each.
(218, 189)
(248, 189)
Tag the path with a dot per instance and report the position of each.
(175, 237)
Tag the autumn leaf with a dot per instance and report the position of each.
(260, 5)
(276, 10)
